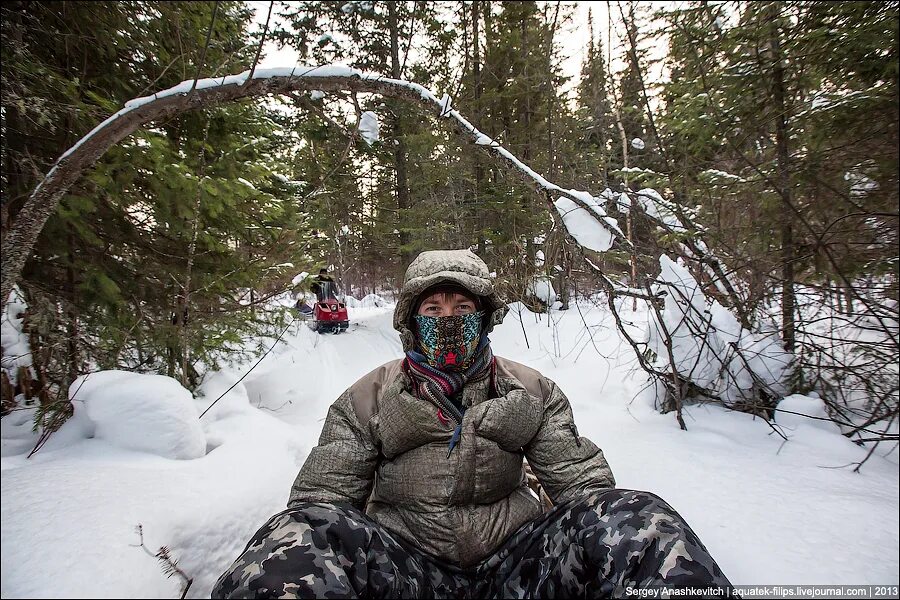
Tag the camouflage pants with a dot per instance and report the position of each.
(596, 547)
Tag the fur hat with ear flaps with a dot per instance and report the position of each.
(432, 267)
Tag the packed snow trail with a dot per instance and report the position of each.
(769, 512)
(305, 374)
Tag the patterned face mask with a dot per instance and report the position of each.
(449, 343)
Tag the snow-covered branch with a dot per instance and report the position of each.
(194, 94)
(674, 220)
(703, 343)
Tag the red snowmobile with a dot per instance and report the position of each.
(329, 314)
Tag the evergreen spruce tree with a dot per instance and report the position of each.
(790, 150)
(152, 261)
(398, 40)
(595, 113)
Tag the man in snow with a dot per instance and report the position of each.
(417, 487)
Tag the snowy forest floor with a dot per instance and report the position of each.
(770, 512)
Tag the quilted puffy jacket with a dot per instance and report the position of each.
(384, 450)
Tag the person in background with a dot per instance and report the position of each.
(301, 307)
(323, 285)
(417, 487)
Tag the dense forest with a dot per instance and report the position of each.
(764, 157)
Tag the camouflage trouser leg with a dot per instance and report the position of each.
(598, 547)
(327, 551)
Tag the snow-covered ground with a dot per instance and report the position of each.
(770, 512)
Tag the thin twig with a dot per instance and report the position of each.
(202, 62)
(262, 40)
(278, 339)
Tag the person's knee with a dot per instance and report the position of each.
(624, 497)
(644, 498)
(635, 504)
(320, 514)
(253, 576)
(300, 526)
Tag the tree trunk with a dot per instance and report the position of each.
(788, 252)
(402, 185)
(478, 87)
(551, 96)
(73, 364)
(7, 394)
(632, 259)
(564, 276)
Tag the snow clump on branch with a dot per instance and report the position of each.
(591, 231)
(369, 127)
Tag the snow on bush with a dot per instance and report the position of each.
(709, 346)
(78, 427)
(16, 351)
(659, 208)
(210, 396)
(372, 301)
(798, 410)
(542, 289)
(148, 413)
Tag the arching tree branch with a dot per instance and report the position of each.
(191, 95)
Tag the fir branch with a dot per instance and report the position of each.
(168, 563)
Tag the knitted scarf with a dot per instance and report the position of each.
(439, 386)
